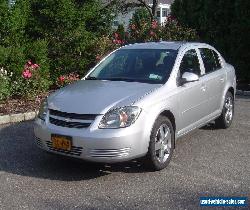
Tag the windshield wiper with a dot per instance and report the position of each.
(91, 78)
(114, 79)
(122, 79)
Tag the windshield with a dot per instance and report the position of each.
(136, 65)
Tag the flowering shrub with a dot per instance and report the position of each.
(142, 30)
(118, 39)
(4, 84)
(29, 70)
(64, 80)
(30, 83)
(103, 46)
(173, 31)
(145, 31)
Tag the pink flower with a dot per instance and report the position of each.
(61, 78)
(116, 35)
(98, 57)
(132, 26)
(29, 62)
(26, 74)
(35, 66)
(154, 24)
(152, 33)
(171, 18)
(117, 41)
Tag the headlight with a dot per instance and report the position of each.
(43, 110)
(120, 117)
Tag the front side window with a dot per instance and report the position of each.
(210, 62)
(136, 65)
(190, 63)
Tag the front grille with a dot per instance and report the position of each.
(39, 142)
(70, 120)
(74, 150)
(72, 115)
(63, 123)
(107, 153)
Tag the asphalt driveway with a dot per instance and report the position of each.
(207, 162)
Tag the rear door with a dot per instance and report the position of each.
(214, 77)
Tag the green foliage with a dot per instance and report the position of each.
(16, 48)
(140, 15)
(104, 45)
(4, 84)
(172, 31)
(31, 83)
(59, 35)
(70, 27)
(224, 24)
(121, 31)
(4, 15)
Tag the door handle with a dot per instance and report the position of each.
(222, 79)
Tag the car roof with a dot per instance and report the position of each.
(175, 45)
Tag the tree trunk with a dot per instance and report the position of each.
(154, 7)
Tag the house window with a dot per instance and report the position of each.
(116, 23)
(164, 13)
(158, 13)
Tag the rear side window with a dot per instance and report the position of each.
(210, 59)
(217, 59)
(190, 63)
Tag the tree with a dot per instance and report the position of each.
(60, 36)
(224, 24)
(124, 6)
(71, 28)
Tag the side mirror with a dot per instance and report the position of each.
(189, 77)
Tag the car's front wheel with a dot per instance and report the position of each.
(161, 144)
(226, 117)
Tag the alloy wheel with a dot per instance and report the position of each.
(228, 109)
(163, 143)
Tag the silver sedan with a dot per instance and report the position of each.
(137, 102)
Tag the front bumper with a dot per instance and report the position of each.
(93, 144)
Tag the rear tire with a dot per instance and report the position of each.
(161, 145)
(226, 117)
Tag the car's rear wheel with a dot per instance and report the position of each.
(226, 117)
(161, 144)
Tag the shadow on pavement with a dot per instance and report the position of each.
(19, 155)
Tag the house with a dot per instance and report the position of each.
(11, 2)
(163, 11)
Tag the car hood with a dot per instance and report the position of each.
(98, 96)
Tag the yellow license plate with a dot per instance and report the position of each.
(61, 142)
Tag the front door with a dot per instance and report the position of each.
(192, 95)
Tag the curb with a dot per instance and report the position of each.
(243, 93)
(12, 118)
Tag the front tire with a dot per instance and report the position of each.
(226, 117)
(161, 145)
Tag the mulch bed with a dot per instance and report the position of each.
(15, 106)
